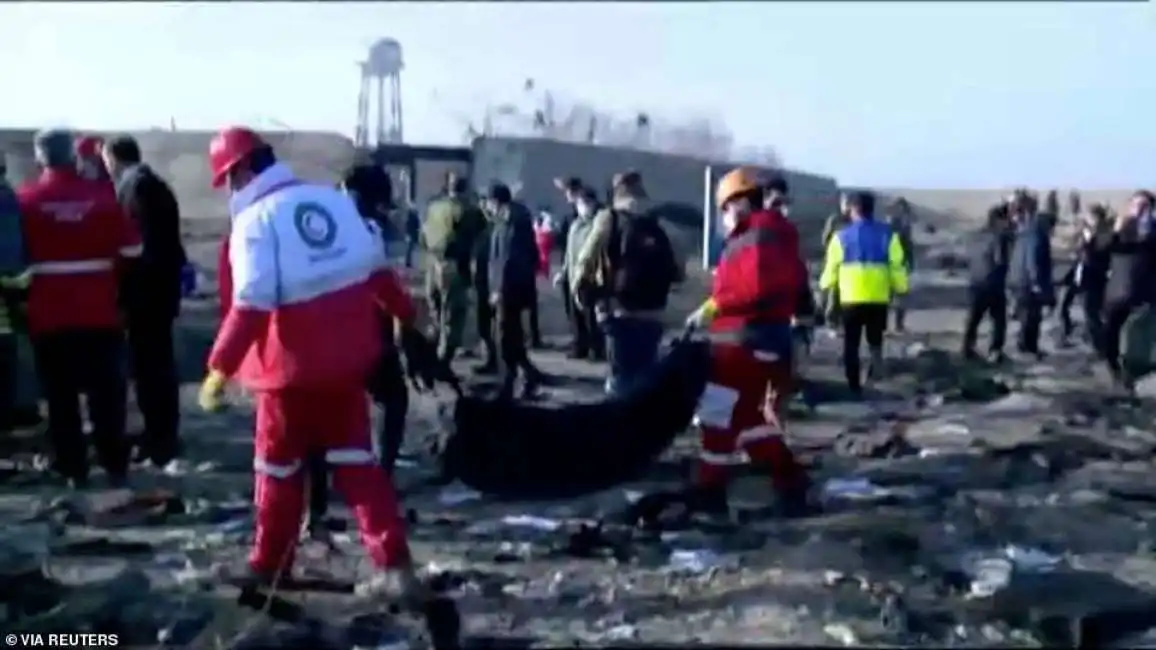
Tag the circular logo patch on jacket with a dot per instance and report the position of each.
(315, 225)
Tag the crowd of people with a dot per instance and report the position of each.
(1116, 259)
(92, 266)
(487, 254)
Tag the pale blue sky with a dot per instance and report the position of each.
(918, 94)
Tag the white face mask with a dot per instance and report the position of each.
(729, 221)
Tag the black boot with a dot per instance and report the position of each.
(532, 381)
(506, 392)
(797, 501)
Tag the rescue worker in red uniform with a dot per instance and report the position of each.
(89, 162)
(301, 333)
(748, 321)
(77, 238)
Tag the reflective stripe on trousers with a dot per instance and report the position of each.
(347, 456)
(71, 267)
(744, 439)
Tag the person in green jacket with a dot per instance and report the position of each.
(449, 234)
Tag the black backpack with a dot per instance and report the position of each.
(640, 262)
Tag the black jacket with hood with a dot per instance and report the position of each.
(153, 285)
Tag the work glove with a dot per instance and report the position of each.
(700, 317)
(16, 281)
(212, 388)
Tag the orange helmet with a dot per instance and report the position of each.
(88, 146)
(736, 182)
(230, 147)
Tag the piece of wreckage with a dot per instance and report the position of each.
(524, 451)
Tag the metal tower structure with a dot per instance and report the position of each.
(383, 66)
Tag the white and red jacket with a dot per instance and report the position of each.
(307, 282)
(76, 237)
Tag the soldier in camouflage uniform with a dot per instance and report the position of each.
(449, 233)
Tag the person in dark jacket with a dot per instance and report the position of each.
(988, 259)
(13, 281)
(512, 273)
(412, 233)
(1131, 272)
(1088, 276)
(1030, 272)
(776, 196)
(484, 314)
(152, 297)
(372, 190)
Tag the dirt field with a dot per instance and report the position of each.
(964, 505)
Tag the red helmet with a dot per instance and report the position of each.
(230, 147)
(88, 146)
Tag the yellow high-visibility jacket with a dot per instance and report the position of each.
(865, 261)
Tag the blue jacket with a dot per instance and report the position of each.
(12, 259)
(1030, 266)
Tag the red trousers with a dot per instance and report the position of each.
(740, 417)
(294, 424)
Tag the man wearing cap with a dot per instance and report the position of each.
(77, 240)
(513, 263)
(152, 299)
(88, 158)
(629, 257)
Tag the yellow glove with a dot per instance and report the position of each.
(702, 316)
(17, 281)
(209, 398)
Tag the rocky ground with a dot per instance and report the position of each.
(964, 505)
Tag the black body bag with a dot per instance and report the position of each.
(524, 451)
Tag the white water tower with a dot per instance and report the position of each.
(380, 72)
